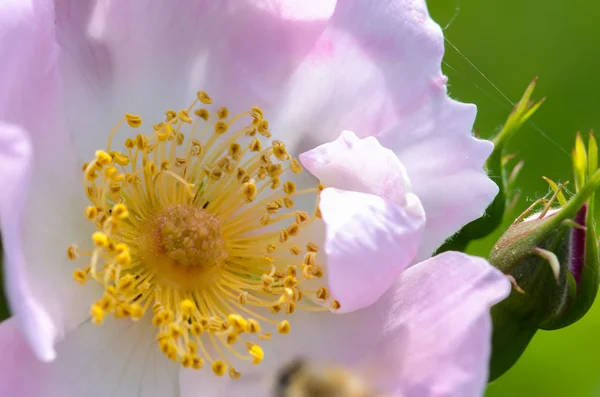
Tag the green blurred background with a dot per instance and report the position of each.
(511, 42)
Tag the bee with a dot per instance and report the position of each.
(301, 378)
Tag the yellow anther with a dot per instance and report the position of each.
(283, 236)
(317, 272)
(97, 314)
(255, 145)
(186, 361)
(275, 183)
(175, 330)
(257, 113)
(289, 187)
(231, 338)
(124, 258)
(223, 113)
(202, 113)
(164, 165)
(233, 374)
(141, 142)
(197, 362)
(120, 211)
(253, 326)
(72, 252)
(106, 303)
(288, 202)
(237, 322)
(183, 116)
(302, 216)
(290, 308)
(137, 311)
(125, 283)
(187, 307)
(249, 190)
(192, 347)
(103, 158)
(295, 250)
(312, 247)
(318, 213)
(264, 220)
(290, 282)
(256, 352)
(129, 143)
(293, 229)
(283, 327)
(168, 316)
(235, 150)
(310, 258)
(322, 293)
(100, 239)
(80, 276)
(267, 280)
(91, 175)
(120, 158)
(150, 167)
(335, 305)
(121, 248)
(196, 329)
(204, 98)
(84, 166)
(219, 368)
(273, 208)
(133, 120)
(295, 166)
(164, 131)
(221, 127)
(263, 128)
(275, 309)
(243, 298)
(279, 151)
(265, 336)
(170, 114)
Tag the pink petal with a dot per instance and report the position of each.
(19, 367)
(443, 304)
(428, 336)
(444, 163)
(40, 202)
(118, 359)
(222, 47)
(361, 165)
(15, 159)
(369, 241)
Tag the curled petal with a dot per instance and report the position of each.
(369, 241)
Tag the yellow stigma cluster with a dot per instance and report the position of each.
(197, 227)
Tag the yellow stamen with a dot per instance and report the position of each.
(187, 221)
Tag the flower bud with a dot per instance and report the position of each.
(552, 259)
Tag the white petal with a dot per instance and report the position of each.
(117, 359)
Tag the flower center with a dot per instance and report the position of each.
(197, 224)
(184, 246)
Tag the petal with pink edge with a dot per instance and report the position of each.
(38, 167)
(443, 306)
(360, 165)
(368, 242)
(118, 359)
(240, 52)
(445, 165)
(429, 335)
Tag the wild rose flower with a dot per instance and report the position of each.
(201, 226)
